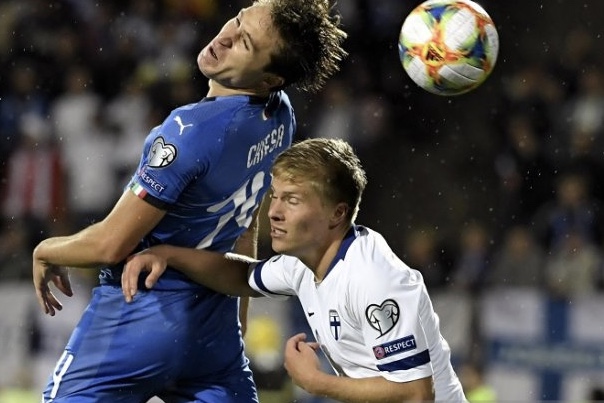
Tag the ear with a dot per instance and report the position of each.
(340, 214)
(271, 81)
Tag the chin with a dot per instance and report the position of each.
(203, 65)
(200, 65)
(278, 248)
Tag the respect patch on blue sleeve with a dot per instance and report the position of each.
(394, 347)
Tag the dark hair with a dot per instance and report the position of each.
(311, 47)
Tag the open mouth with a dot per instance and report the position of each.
(277, 231)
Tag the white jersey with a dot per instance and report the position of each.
(371, 314)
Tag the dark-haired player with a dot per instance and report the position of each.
(201, 177)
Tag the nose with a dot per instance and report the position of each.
(226, 40)
(274, 210)
(229, 34)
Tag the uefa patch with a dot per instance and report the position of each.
(394, 347)
(161, 154)
(383, 317)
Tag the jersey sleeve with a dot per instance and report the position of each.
(175, 153)
(269, 277)
(389, 308)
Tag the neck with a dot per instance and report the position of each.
(218, 90)
(323, 259)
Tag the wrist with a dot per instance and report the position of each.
(317, 383)
(161, 251)
(38, 252)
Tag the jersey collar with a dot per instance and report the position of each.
(350, 236)
(252, 99)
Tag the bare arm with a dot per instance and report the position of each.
(247, 245)
(226, 274)
(106, 242)
(304, 368)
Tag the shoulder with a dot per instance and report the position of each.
(199, 126)
(281, 263)
(374, 261)
(284, 98)
(215, 109)
(369, 247)
(279, 272)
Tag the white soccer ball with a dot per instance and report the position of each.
(448, 47)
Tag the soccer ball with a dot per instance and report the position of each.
(448, 47)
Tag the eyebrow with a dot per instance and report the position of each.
(289, 193)
(247, 34)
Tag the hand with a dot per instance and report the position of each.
(43, 273)
(143, 261)
(301, 360)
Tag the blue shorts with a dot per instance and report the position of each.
(182, 346)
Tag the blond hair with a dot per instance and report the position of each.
(330, 165)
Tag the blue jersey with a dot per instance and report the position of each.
(208, 166)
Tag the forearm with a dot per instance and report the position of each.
(224, 274)
(369, 390)
(84, 249)
(107, 242)
(247, 245)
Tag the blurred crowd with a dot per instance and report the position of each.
(502, 186)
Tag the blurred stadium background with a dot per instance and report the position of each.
(495, 195)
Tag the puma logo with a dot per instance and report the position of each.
(182, 126)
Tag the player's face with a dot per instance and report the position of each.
(299, 220)
(237, 56)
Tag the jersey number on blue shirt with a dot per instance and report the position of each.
(243, 201)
